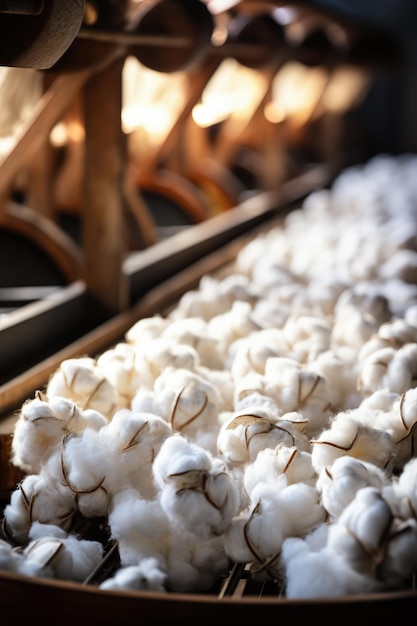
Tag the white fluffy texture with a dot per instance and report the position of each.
(213, 297)
(37, 500)
(296, 388)
(41, 426)
(357, 317)
(145, 330)
(65, 556)
(339, 484)
(232, 325)
(257, 534)
(395, 414)
(194, 332)
(143, 531)
(11, 560)
(312, 570)
(94, 466)
(401, 493)
(146, 576)
(307, 336)
(133, 440)
(248, 431)
(188, 402)
(197, 492)
(348, 436)
(118, 364)
(83, 381)
(388, 368)
(373, 541)
(270, 464)
(251, 353)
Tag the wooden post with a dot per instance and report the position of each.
(104, 236)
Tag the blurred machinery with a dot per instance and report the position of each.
(138, 119)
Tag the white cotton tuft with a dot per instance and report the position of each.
(37, 499)
(42, 424)
(81, 380)
(65, 556)
(146, 576)
(340, 483)
(190, 404)
(347, 436)
(318, 572)
(272, 464)
(197, 492)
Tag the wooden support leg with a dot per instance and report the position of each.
(104, 237)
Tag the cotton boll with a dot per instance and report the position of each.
(400, 558)
(339, 484)
(119, 366)
(388, 368)
(256, 534)
(347, 435)
(357, 318)
(299, 389)
(146, 576)
(195, 566)
(163, 353)
(251, 353)
(145, 401)
(140, 527)
(133, 440)
(143, 531)
(37, 499)
(193, 331)
(146, 329)
(302, 507)
(68, 557)
(319, 572)
(398, 332)
(10, 559)
(307, 336)
(232, 325)
(41, 425)
(190, 405)
(341, 376)
(372, 345)
(271, 464)
(271, 311)
(250, 384)
(399, 421)
(374, 369)
(213, 297)
(222, 381)
(253, 538)
(362, 530)
(250, 430)
(82, 466)
(402, 264)
(197, 493)
(401, 493)
(81, 380)
(410, 315)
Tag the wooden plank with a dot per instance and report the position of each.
(104, 238)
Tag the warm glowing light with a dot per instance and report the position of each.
(151, 100)
(346, 89)
(274, 113)
(297, 89)
(234, 91)
(65, 132)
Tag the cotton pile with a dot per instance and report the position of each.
(268, 419)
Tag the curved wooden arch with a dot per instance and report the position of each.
(63, 251)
